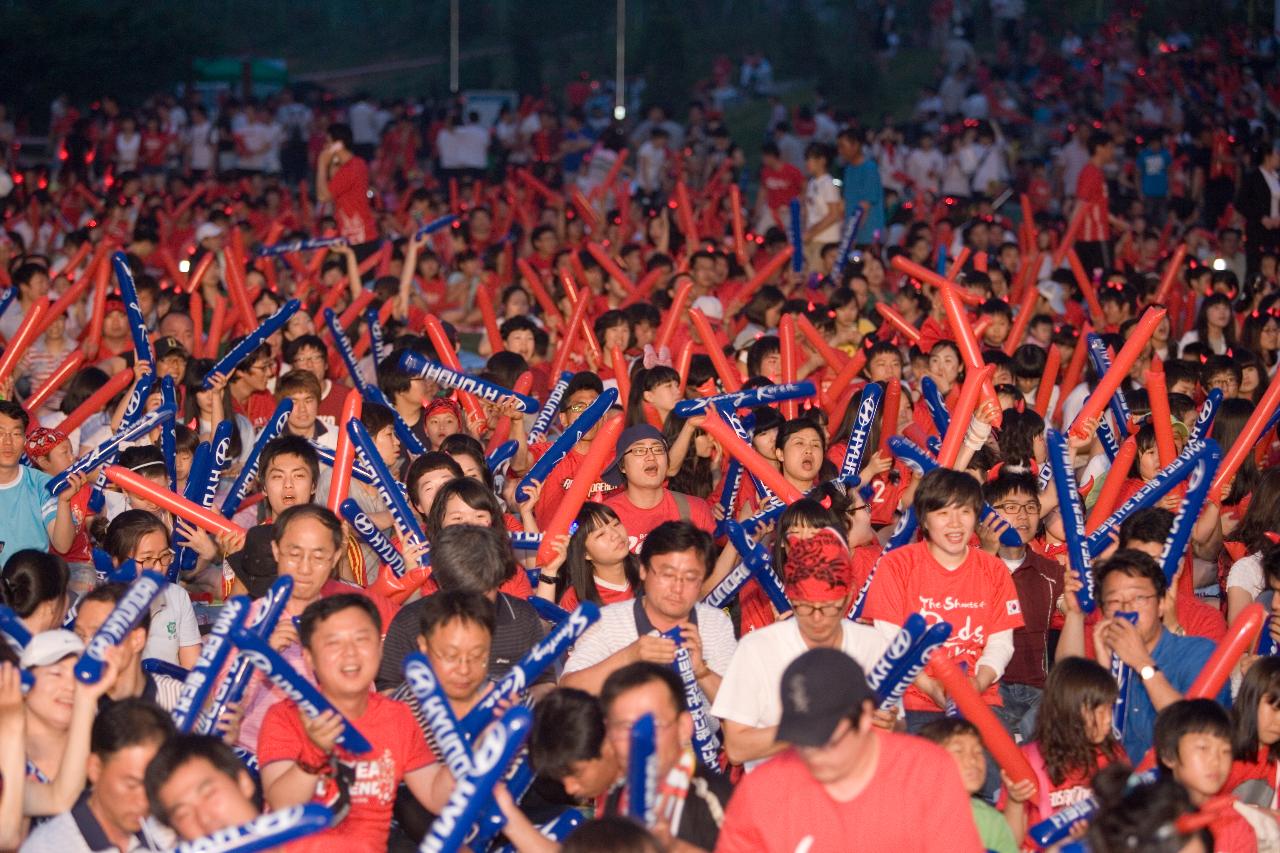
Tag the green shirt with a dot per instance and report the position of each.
(993, 829)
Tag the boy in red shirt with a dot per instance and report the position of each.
(946, 579)
(343, 177)
(341, 636)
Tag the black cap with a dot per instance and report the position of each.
(168, 346)
(819, 689)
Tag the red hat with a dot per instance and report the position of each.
(113, 305)
(818, 567)
(42, 441)
(447, 403)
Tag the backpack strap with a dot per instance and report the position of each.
(682, 505)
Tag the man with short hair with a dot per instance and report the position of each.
(133, 681)
(818, 576)
(31, 517)
(844, 784)
(341, 638)
(248, 386)
(113, 813)
(343, 177)
(643, 501)
(310, 353)
(302, 387)
(197, 786)
(568, 744)
(581, 392)
(675, 560)
(644, 688)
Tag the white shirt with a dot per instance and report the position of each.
(173, 625)
(820, 195)
(127, 151)
(925, 168)
(1246, 574)
(750, 692)
(651, 160)
(202, 146)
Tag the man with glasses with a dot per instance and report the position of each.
(649, 688)
(844, 784)
(644, 502)
(310, 353)
(1038, 580)
(248, 386)
(818, 577)
(674, 561)
(1164, 665)
(133, 680)
(581, 392)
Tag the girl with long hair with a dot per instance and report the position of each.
(1255, 724)
(593, 564)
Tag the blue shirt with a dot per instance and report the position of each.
(862, 183)
(1153, 166)
(27, 510)
(1180, 659)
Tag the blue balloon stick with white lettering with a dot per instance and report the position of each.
(642, 771)
(564, 443)
(407, 438)
(705, 742)
(306, 245)
(184, 559)
(296, 688)
(1198, 484)
(522, 541)
(1064, 481)
(757, 558)
(133, 607)
(343, 343)
(446, 737)
(864, 420)
(797, 238)
(473, 796)
(132, 309)
(168, 437)
(542, 655)
(373, 537)
(936, 405)
(1117, 404)
(900, 647)
(252, 341)
(104, 453)
(547, 611)
(435, 225)
(909, 668)
(377, 341)
(903, 531)
(198, 684)
(240, 487)
(265, 832)
(749, 399)
(504, 454)
(492, 392)
(393, 497)
(542, 423)
(1208, 413)
(232, 687)
(326, 457)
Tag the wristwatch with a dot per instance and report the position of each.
(1148, 672)
(549, 580)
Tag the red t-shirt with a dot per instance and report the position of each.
(1233, 834)
(978, 598)
(558, 482)
(780, 185)
(398, 748)
(608, 596)
(1091, 189)
(640, 522)
(349, 187)
(914, 802)
(1050, 798)
(258, 408)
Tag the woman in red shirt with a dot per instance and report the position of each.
(597, 563)
(1255, 720)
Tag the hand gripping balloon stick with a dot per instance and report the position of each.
(908, 668)
(447, 740)
(1154, 489)
(373, 537)
(747, 399)
(1208, 412)
(252, 341)
(261, 621)
(411, 362)
(975, 710)
(902, 534)
(397, 503)
(132, 608)
(344, 454)
(109, 448)
(1064, 479)
(970, 392)
(868, 405)
(137, 323)
(705, 743)
(12, 627)
(642, 771)
(213, 655)
(266, 832)
(542, 423)
(473, 794)
(249, 472)
(1123, 674)
(564, 443)
(296, 688)
(543, 654)
(1055, 828)
(1198, 485)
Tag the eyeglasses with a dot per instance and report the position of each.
(1031, 508)
(453, 660)
(1114, 604)
(261, 367)
(577, 408)
(640, 451)
(677, 578)
(159, 561)
(854, 510)
(820, 609)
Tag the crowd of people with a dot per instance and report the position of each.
(568, 480)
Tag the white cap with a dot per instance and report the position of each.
(710, 306)
(49, 647)
(207, 230)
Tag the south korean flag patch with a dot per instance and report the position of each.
(1013, 607)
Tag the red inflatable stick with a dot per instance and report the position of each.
(1120, 366)
(684, 215)
(356, 307)
(553, 198)
(890, 407)
(790, 361)
(1247, 441)
(621, 375)
(739, 236)
(834, 358)
(1241, 636)
(449, 358)
(485, 301)
(611, 268)
(503, 430)
(729, 376)
(643, 286)
(750, 459)
(206, 519)
(597, 458)
(970, 392)
(216, 324)
(1022, 321)
(1161, 416)
(1171, 274)
(26, 335)
(678, 303)
(97, 401)
(344, 452)
(1086, 285)
(56, 380)
(763, 274)
(843, 380)
(1048, 379)
(997, 740)
(1069, 238)
(235, 287)
(101, 282)
(683, 360)
(534, 281)
(958, 264)
(899, 323)
(570, 335)
(1075, 369)
(1111, 486)
(197, 274)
